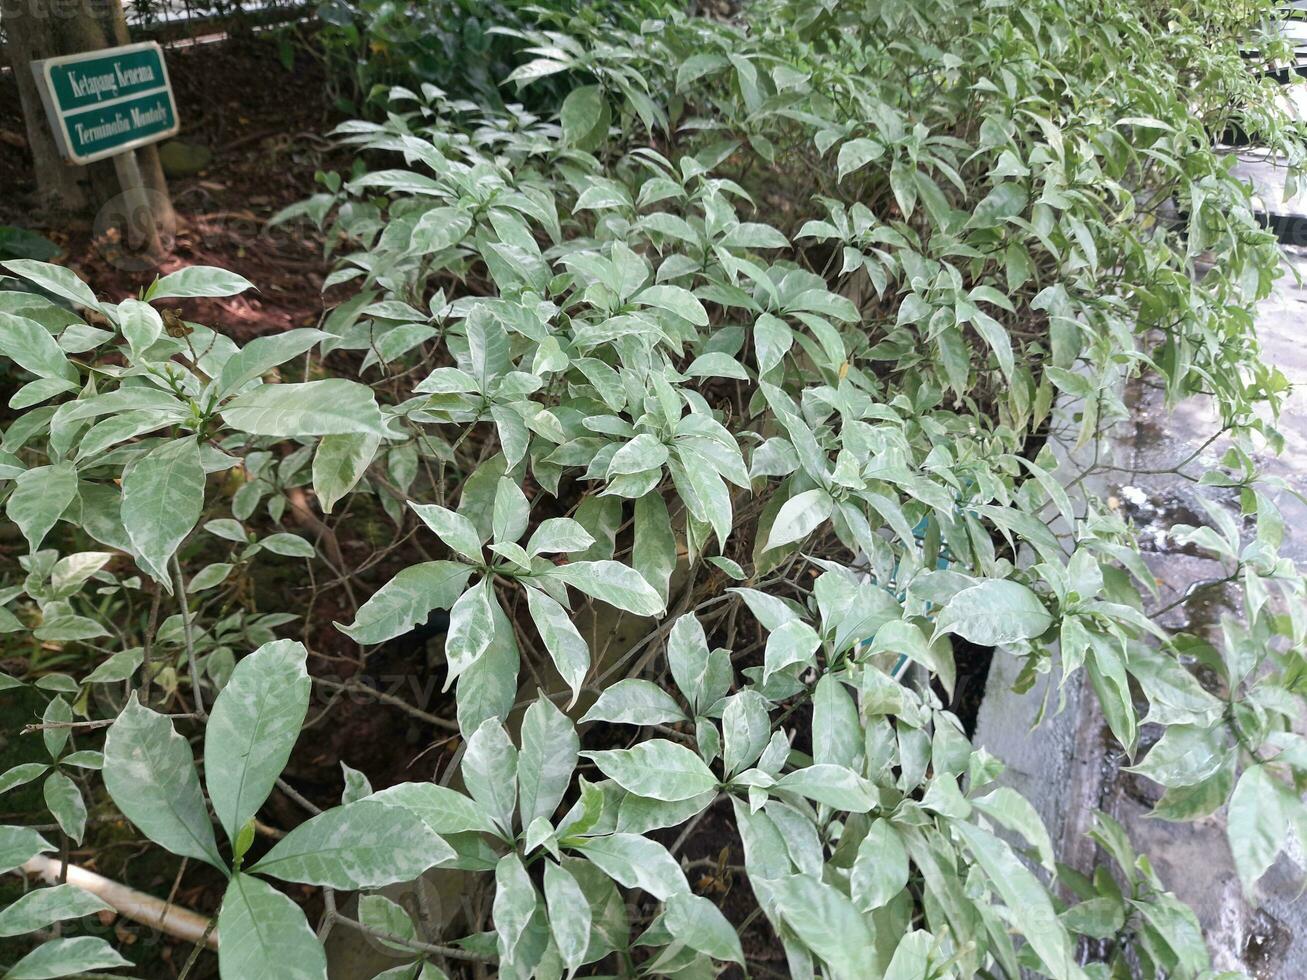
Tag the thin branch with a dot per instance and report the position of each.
(353, 687)
(195, 950)
(87, 726)
(449, 952)
(180, 585)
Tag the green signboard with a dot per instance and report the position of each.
(101, 103)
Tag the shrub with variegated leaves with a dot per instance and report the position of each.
(709, 416)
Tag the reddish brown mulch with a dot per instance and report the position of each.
(265, 126)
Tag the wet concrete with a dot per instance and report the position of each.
(1070, 767)
(1270, 940)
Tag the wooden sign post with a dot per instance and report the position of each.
(107, 103)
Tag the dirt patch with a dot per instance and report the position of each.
(260, 126)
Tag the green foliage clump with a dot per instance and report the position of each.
(710, 414)
(463, 46)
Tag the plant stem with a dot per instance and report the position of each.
(195, 950)
(449, 952)
(180, 585)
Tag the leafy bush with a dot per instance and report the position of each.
(463, 46)
(704, 412)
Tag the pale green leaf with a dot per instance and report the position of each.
(634, 701)
(569, 915)
(334, 406)
(659, 769)
(339, 464)
(567, 647)
(43, 906)
(149, 772)
(407, 600)
(490, 771)
(263, 935)
(699, 924)
(198, 281)
(994, 612)
(40, 496)
(614, 583)
(66, 957)
(163, 497)
(359, 845)
(252, 729)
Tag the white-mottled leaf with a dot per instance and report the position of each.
(1258, 823)
(800, 516)
(558, 535)
(21, 775)
(252, 730)
(149, 772)
(546, 760)
(199, 281)
(515, 904)
(43, 906)
(407, 600)
(569, 915)
(288, 545)
(836, 786)
(636, 862)
(54, 279)
(614, 583)
(30, 346)
(634, 701)
(1025, 896)
(141, 325)
(263, 935)
(360, 845)
(18, 845)
(339, 464)
(387, 919)
(829, 925)
(64, 801)
(39, 497)
(471, 628)
(453, 528)
(163, 497)
(67, 957)
(490, 772)
(880, 870)
(699, 924)
(566, 646)
(659, 769)
(994, 612)
(511, 511)
(262, 354)
(444, 810)
(334, 406)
